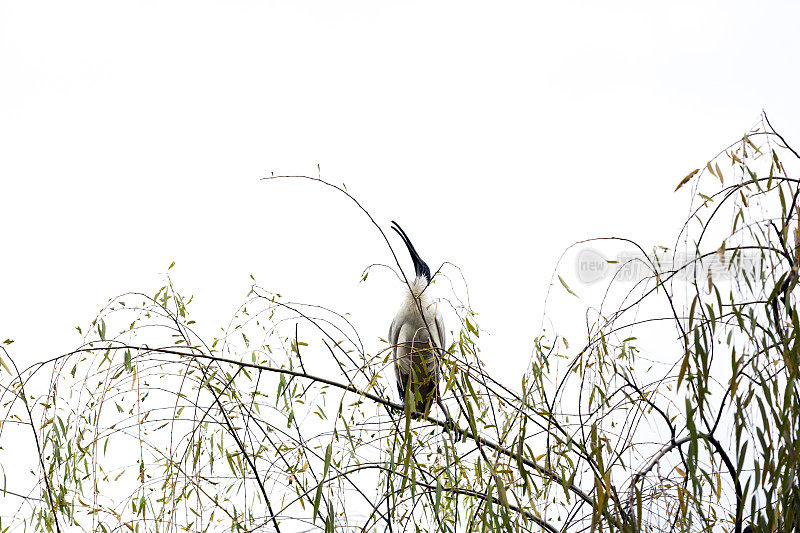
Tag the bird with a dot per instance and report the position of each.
(417, 339)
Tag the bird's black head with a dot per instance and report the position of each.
(420, 267)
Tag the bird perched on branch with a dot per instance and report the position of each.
(417, 339)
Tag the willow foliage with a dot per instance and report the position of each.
(680, 411)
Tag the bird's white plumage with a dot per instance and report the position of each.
(416, 338)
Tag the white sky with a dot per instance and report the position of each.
(133, 134)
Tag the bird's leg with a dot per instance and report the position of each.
(450, 423)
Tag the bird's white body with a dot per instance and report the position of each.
(417, 340)
(416, 337)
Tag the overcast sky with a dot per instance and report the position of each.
(134, 133)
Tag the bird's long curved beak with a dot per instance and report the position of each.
(420, 267)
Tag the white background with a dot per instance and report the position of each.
(133, 134)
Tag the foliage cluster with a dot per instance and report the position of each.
(148, 427)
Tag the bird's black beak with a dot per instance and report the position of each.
(420, 267)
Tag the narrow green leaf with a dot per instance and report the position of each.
(318, 495)
(564, 283)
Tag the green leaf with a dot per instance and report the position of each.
(564, 283)
(318, 495)
(471, 327)
(684, 366)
